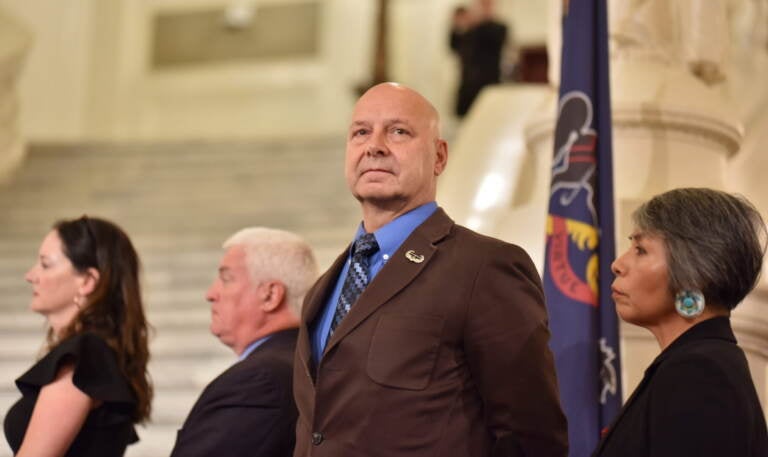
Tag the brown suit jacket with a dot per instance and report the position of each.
(444, 357)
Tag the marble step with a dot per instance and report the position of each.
(178, 202)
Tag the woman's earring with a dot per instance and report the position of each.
(77, 300)
(689, 303)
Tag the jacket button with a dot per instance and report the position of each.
(317, 438)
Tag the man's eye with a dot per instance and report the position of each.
(359, 132)
(400, 131)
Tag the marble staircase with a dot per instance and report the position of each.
(178, 202)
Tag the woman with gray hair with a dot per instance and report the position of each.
(694, 255)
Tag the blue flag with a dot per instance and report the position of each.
(580, 232)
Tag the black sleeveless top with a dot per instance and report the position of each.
(108, 429)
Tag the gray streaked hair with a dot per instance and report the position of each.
(273, 254)
(715, 241)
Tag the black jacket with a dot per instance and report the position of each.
(248, 410)
(696, 399)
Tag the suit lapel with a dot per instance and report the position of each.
(631, 400)
(313, 303)
(399, 271)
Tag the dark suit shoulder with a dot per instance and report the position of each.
(268, 370)
(244, 383)
(247, 410)
(709, 368)
(685, 365)
(697, 399)
(703, 390)
(277, 346)
(720, 361)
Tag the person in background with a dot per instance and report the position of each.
(477, 38)
(84, 396)
(695, 254)
(256, 298)
(423, 337)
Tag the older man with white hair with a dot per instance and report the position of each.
(255, 300)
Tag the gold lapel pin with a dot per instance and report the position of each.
(413, 257)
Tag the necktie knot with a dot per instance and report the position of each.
(365, 246)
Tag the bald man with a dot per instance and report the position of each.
(444, 352)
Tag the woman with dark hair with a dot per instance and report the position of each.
(695, 254)
(85, 395)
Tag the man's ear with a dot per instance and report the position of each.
(272, 295)
(90, 279)
(441, 156)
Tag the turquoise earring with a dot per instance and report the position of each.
(689, 303)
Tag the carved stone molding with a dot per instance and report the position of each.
(692, 126)
(677, 124)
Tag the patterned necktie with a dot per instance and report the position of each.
(357, 277)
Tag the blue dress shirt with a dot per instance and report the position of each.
(389, 238)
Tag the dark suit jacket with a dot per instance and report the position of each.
(444, 357)
(695, 400)
(248, 410)
(479, 50)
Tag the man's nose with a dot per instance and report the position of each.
(210, 294)
(377, 145)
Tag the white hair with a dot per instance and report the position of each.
(273, 254)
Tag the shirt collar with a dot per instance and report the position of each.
(251, 347)
(394, 233)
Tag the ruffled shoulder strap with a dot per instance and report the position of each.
(96, 370)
